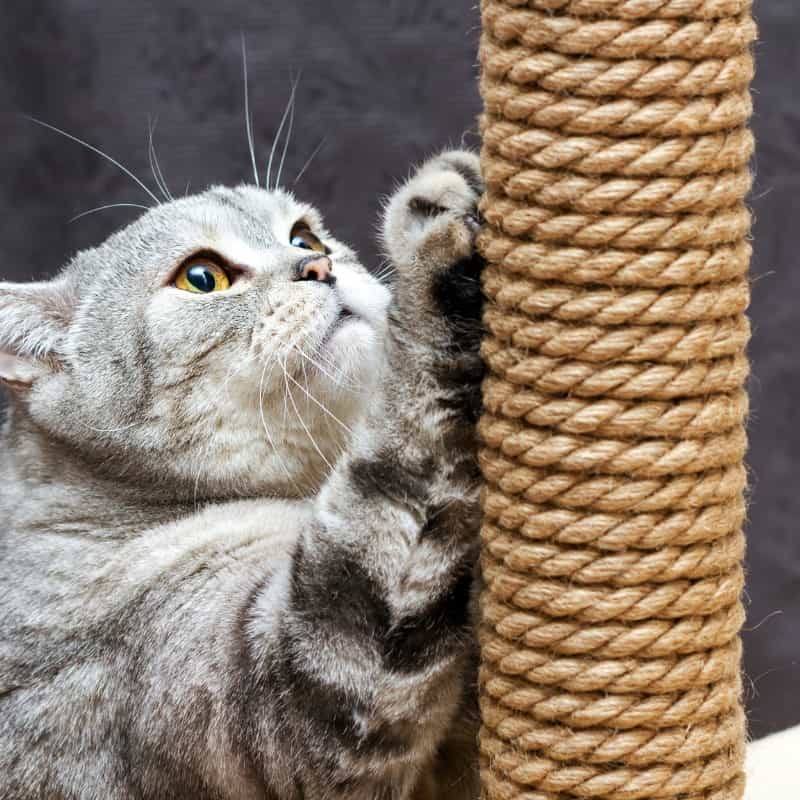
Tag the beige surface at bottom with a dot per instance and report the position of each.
(773, 767)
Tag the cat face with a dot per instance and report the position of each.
(210, 346)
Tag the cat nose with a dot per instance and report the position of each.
(315, 268)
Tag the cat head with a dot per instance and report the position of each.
(221, 344)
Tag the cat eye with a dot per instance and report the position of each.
(202, 276)
(301, 236)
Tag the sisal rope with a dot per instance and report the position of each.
(615, 152)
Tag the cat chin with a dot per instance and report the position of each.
(355, 348)
(364, 296)
(350, 332)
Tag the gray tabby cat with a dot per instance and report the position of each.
(238, 486)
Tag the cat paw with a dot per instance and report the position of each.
(429, 232)
(433, 218)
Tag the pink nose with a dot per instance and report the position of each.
(315, 268)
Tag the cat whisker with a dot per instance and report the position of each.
(310, 159)
(99, 152)
(110, 205)
(384, 270)
(248, 123)
(264, 419)
(318, 365)
(277, 138)
(337, 379)
(302, 421)
(304, 388)
(310, 396)
(286, 391)
(288, 133)
(320, 405)
(155, 167)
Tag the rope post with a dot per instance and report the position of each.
(615, 152)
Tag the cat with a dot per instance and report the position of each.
(239, 494)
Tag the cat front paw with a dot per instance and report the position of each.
(429, 232)
(433, 218)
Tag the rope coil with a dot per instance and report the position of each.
(615, 153)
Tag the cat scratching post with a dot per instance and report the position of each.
(615, 153)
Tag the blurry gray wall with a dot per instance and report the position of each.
(383, 84)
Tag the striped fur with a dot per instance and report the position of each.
(172, 635)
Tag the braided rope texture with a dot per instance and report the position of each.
(615, 153)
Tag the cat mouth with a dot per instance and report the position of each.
(344, 316)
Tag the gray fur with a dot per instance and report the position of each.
(238, 544)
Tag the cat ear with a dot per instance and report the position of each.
(33, 320)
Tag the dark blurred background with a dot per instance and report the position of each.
(382, 84)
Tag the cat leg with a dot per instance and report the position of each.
(361, 650)
(453, 774)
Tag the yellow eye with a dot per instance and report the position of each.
(202, 276)
(302, 237)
